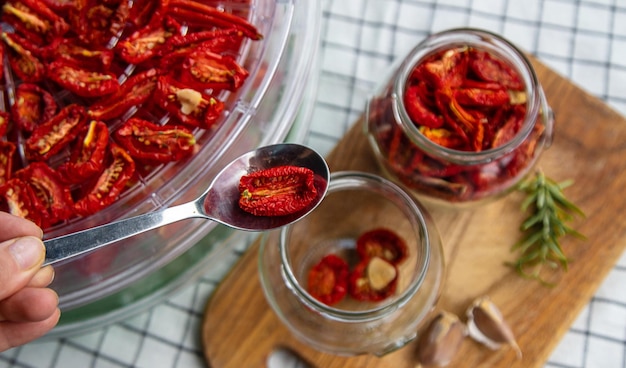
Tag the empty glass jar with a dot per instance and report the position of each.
(355, 203)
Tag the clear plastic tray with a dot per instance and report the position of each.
(113, 282)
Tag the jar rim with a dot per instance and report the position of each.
(347, 180)
(536, 104)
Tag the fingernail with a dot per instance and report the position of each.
(27, 251)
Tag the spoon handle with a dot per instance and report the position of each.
(73, 244)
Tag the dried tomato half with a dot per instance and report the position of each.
(143, 11)
(134, 91)
(277, 191)
(88, 154)
(373, 279)
(151, 142)
(120, 17)
(56, 133)
(92, 22)
(109, 185)
(328, 280)
(481, 97)
(204, 69)
(217, 41)
(33, 106)
(18, 199)
(146, 42)
(445, 70)
(7, 150)
(34, 19)
(418, 111)
(24, 63)
(70, 50)
(49, 190)
(83, 82)
(492, 69)
(195, 13)
(382, 243)
(5, 118)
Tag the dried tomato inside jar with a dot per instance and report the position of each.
(462, 119)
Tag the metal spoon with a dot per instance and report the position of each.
(218, 203)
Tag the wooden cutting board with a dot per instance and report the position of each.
(240, 330)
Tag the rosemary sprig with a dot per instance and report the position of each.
(546, 224)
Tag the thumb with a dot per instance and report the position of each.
(20, 259)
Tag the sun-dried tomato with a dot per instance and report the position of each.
(120, 17)
(151, 142)
(479, 97)
(147, 41)
(23, 62)
(90, 21)
(83, 82)
(33, 105)
(492, 69)
(189, 106)
(383, 243)
(56, 133)
(216, 40)
(178, 48)
(204, 69)
(7, 150)
(360, 282)
(444, 71)
(143, 11)
(109, 185)
(18, 199)
(442, 137)
(27, 44)
(71, 51)
(88, 154)
(133, 92)
(49, 190)
(328, 280)
(417, 110)
(196, 13)
(277, 191)
(510, 127)
(5, 119)
(34, 19)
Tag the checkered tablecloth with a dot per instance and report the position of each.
(584, 40)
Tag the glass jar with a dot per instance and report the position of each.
(355, 203)
(500, 144)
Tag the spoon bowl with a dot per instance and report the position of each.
(218, 203)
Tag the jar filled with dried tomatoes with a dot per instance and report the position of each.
(462, 119)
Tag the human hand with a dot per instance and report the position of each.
(28, 309)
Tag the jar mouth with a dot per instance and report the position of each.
(350, 180)
(536, 104)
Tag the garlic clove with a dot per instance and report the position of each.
(441, 340)
(189, 100)
(486, 325)
(380, 273)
